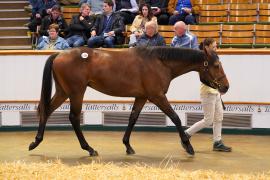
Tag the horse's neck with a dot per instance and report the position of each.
(182, 67)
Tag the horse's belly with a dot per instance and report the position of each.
(119, 90)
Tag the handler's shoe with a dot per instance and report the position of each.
(219, 146)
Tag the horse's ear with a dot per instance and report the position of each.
(207, 50)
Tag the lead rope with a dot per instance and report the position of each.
(223, 106)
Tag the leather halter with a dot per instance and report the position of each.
(215, 81)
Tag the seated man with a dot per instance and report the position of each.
(40, 9)
(53, 41)
(159, 9)
(108, 28)
(96, 6)
(183, 10)
(183, 38)
(80, 27)
(151, 37)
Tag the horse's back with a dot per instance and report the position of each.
(115, 72)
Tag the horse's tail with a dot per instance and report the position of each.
(46, 89)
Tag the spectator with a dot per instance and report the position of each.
(29, 7)
(212, 108)
(151, 37)
(137, 27)
(55, 17)
(96, 5)
(183, 10)
(80, 27)
(127, 9)
(53, 41)
(183, 38)
(159, 9)
(40, 9)
(108, 28)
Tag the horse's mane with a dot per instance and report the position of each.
(170, 54)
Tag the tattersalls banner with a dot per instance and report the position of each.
(149, 107)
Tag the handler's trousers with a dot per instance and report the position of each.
(213, 114)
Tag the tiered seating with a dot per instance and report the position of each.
(68, 12)
(237, 1)
(167, 32)
(235, 12)
(213, 13)
(262, 35)
(243, 13)
(204, 31)
(210, 1)
(237, 35)
(260, 1)
(264, 12)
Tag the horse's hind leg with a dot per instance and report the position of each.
(58, 98)
(74, 117)
(163, 104)
(136, 109)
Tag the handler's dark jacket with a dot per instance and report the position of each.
(116, 25)
(47, 21)
(82, 28)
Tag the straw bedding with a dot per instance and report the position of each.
(107, 171)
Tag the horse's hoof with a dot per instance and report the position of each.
(93, 153)
(130, 151)
(33, 145)
(188, 147)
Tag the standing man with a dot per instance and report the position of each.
(183, 38)
(108, 28)
(183, 10)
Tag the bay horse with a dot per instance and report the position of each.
(143, 73)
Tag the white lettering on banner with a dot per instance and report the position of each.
(127, 107)
(15, 107)
(102, 107)
(240, 108)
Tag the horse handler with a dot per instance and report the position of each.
(212, 108)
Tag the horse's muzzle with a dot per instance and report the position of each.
(223, 89)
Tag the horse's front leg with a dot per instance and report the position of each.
(163, 104)
(136, 109)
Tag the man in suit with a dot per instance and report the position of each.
(108, 28)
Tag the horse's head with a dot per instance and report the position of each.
(212, 73)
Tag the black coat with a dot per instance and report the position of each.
(82, 28)
(117, 25)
